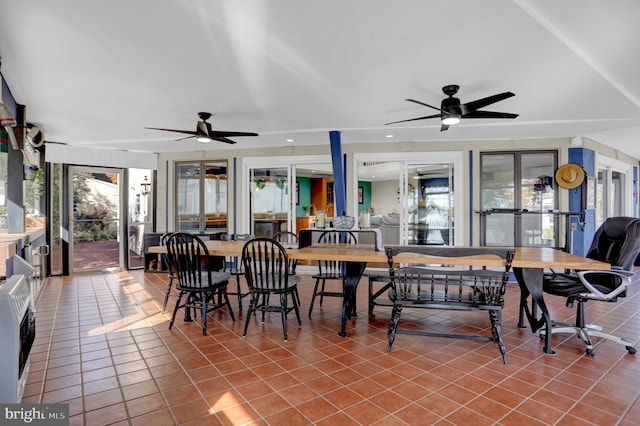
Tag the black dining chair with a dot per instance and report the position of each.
(234, 266)
(197, 282)
(617, 242)
(288, 238)
(170, 274)
(331, 270)
(266, 267)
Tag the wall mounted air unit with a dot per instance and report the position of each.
(17, 333)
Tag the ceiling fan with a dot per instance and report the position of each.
(452, 111)
(204, 133)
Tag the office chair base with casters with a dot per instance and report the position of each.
(586, 331)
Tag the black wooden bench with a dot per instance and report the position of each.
(414, 286)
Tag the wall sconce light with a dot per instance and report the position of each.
(145, 186)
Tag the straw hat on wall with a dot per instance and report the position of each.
(570, 176)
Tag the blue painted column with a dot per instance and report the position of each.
(584, 234)
(339, 181)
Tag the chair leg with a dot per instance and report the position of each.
(226, 302)
(496, 331)
(283, 314)
(205, 297)
(296, 304)
(239, 293)
(250, 309)
(393, 324)
(166, 296)
(175, 310)
(313, 295)
(322, 292)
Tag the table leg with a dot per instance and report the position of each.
(530, 282)
(354, 271)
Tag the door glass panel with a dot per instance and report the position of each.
(498, 192)
(431, 214)
(617, 193)
(386, 197)
(313, 203)
(188, 197)
(96, 219)
(270, 201)
(601, 205)
(215, 196)
(139, 208)
(55, 236)
(201, 198)
(537, 195)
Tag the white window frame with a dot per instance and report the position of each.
(612, 165)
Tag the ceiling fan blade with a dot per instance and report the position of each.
(219, 133)
(186, 132)
(223, 139)
(186, 137)
(481, 103)
(489, 114)
(415, 119)
(444, 127)
(423, 104)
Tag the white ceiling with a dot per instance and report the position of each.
(95, 73)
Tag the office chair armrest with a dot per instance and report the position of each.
(597, 294)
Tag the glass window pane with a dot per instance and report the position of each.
(215, 195)
(188, 197)
(617, 193)
(497, 183)
(536, 182)
(201, 198)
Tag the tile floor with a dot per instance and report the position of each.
(104, 347)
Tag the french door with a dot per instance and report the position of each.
(613, 190)
(95, 225)
(412, 199)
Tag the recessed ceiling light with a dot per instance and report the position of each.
(291, 140)
(388, 136)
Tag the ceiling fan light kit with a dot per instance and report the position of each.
(451, 119)
(452, 111)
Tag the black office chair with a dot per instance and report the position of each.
(331, 270)
(197, 282)
(266, 266)
(235, 266)
(616, 242)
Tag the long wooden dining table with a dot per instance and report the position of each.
(528, 266)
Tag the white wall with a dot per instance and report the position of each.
(384, 197)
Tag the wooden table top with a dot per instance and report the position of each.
(525, 257)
